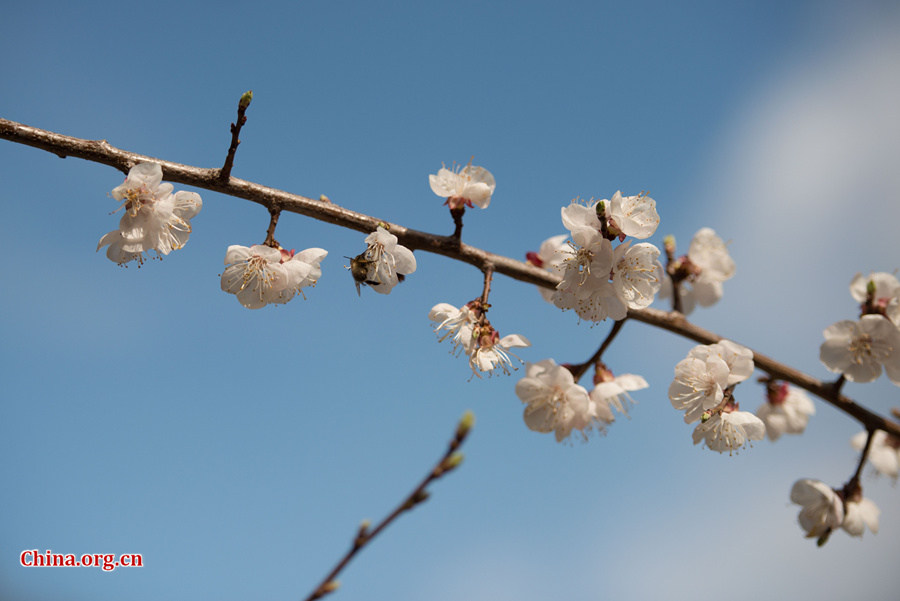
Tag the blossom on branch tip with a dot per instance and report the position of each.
(858, 350)
(822, 508)
(786, 411)
(259, 274)
(884, 451)
(464, 187)
(155, 219)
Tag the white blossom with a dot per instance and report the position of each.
(860, 349)
(550, 256)
(822, 508)
(458, 325)
(259, 274)
(633, 216)
(699, 385)
(887, 293)
(635, 276)
(614, 393)
(729, 431)
(466, 187)
(493, 353)
(787, 411)
(585, 285)
(702, 377)
(708, 265)
(884, 451)
(155, 219)
(859, 514)
(386, 261)
(555, 403)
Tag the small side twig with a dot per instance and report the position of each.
(449, 461)
(244, 102)
(853, 483)
(578, 370)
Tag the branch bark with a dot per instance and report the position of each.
(101, 151)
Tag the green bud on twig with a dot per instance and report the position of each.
(246, 97)
(465, 424)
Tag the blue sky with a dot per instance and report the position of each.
(145, 411)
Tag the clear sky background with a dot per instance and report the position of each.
(145, 411)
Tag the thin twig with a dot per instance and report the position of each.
(100, 151)
(243, 103)
(853, 483)
(449, 461)
(578, 370)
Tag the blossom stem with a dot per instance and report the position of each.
(457, 215)
(488, 276)
(448, 461)
(853, 483)
(274, 214)
(578, 370)
(101, 151)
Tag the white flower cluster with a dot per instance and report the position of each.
(473, 335)
(786, 411)
(554, 402)
(701, 272)
(825, 509)
(859, 349)
(464, 187)
(884, 451)
(383, 264)
(597, 280)
(155, 219)
(702, 389)
(259, 275)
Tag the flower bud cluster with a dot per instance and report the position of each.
(825, 509)
(703, 387)
(700, 273)
(259, 275)
(597, 280)
(155, 219)
(554, 402)
(472, 334)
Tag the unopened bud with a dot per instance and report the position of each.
(246, 97)
(465, 424)
(601, 209)
(669, 244)
(330, 586)
(323, 198)
(705, 417)
(453, 461)
(870, 288)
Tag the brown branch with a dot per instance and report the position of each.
(101, 151)
(243, 103)
(449, 461)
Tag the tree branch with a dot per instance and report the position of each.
(101, 151)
